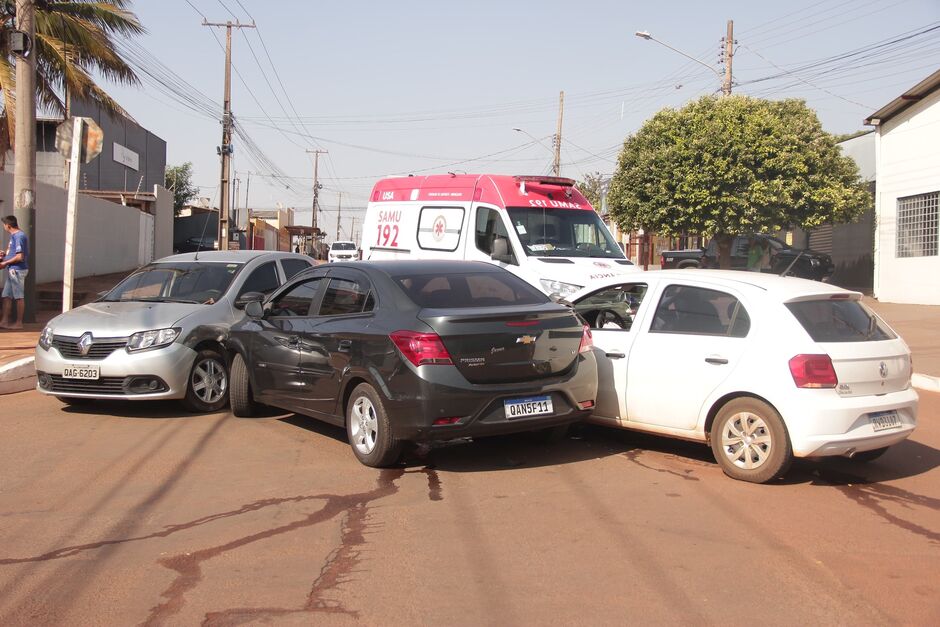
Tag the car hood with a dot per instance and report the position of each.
(581, 270)
(105, 319)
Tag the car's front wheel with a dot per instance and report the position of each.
(368, 428)
(750, 441)
(207, 389)
(240, 394)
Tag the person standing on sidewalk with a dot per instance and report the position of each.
(15, 264)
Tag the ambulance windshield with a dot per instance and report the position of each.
(563, 233)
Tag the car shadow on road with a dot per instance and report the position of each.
(907, 459)
(504, 452)
(131, 409)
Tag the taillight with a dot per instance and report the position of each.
(587, 340)
(421, 349)
(813, 371)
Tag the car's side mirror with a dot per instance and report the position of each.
(254, 310)
(501, 250)
(248, 297)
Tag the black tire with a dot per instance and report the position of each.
(241, 397)
(766, 456)
(369, 430)
(870, 456)
(210, 371)
(74, 401)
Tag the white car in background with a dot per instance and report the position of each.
(763, 368)
(343, 251)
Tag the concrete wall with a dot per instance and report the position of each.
(908, 163)
(108, 233)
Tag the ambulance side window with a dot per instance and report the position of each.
(490, 227)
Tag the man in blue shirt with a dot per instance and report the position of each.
(15, 265)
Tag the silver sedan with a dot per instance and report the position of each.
(159, 333)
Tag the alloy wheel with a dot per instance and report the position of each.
(364, 425)
(209, 381)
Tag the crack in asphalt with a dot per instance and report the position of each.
(635, 454)
(334, 573)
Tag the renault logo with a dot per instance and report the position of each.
(883, 370)
(525, 339)
(84, 344)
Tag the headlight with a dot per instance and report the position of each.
(152, 339)
(557, 287)
(45, 338)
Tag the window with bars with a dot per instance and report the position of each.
(917, 225)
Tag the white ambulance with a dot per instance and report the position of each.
(541, 228)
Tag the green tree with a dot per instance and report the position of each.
(726, 165)
(591, 186)
(74, 40)
(179, 180)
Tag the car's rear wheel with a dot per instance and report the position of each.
(750, 441)
(207, 389)
(870, 456)
(368, 428)
(240, 395)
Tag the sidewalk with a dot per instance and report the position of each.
(919, 325)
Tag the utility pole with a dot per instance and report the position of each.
(24, 165)
(339, 209)
(556, 168)
(352, 230)
(315, 204)
(225, 150)
(728, 55)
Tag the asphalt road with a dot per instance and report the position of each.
(142, 514)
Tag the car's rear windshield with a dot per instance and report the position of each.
(828, 320)
(343, 246)
(181, 282)
(472, 289)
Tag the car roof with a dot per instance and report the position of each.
(405, 267)
(781, 288)
(228, 256)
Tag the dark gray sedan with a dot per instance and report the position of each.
(400, 351)
(158, 334)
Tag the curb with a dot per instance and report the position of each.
(18, 376)
(925, 382)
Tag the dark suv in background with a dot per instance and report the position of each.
(802, 262)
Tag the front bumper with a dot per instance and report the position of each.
(416, 397)
(120, 372)
(823, 424)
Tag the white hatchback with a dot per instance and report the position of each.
(343, 251)
(761, 367)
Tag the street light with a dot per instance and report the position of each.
(642, 34)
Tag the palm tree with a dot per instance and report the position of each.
(74, 39)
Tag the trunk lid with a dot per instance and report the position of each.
(508, 344)
(870, 368)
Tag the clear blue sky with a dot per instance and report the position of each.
(409, 86)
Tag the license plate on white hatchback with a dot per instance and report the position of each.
(525, 407)
(81, 372)
(885, 420)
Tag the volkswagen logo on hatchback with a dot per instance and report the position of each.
(883, 370)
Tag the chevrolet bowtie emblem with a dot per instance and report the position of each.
(525, 339)
(84, 344)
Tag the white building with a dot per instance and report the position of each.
(907, 199)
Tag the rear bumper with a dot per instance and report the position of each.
(417, 397)
(823, 424)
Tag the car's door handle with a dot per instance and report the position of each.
(345, 345)
(293, 340)
(614, 355)
(718, 361)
